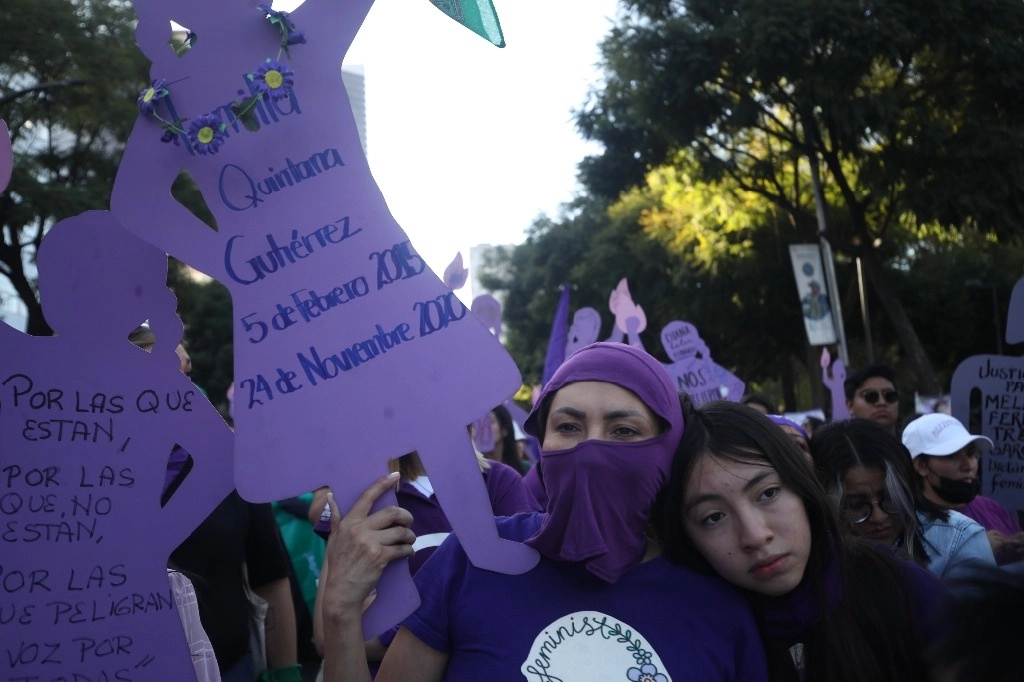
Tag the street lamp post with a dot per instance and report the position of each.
(829, 264)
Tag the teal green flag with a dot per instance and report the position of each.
(478, 16)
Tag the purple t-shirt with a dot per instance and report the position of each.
(505, 488)
(993, 516)
(557, 621)
(508, 491)
(535, 485)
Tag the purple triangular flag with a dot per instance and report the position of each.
(6, 156)
(559, 336)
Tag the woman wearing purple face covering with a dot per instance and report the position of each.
(601, 604)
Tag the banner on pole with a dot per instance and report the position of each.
(814, 301)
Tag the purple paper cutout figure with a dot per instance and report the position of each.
(487, 310)
(680, 340)
(730, 386)
(87, 422)
(834, 377)
(455, 275)
(584, 330)
(349, 351)
(630, 318)
(692, 367)
(999, 380)
(6, 156)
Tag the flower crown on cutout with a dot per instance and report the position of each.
(271, 79)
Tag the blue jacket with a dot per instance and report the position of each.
(955, 546)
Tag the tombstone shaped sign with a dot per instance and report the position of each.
(87, 423)
(349, 350)
(998, 381)
(693, 369)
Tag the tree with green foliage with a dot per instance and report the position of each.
(208, 337)
(69, 77)
(909, 109)
(591, 252)
(735, 286)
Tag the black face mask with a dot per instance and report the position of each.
(958, 492)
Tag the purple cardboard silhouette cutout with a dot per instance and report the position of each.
(693, 369)
(584, 330)
(680, 340)
(455, 275)
(349, 351)
(87, 421)
(730, 386)
(1000, 382)
(834, 377)
(487, 310)
(630, 318)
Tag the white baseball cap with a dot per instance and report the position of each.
(939, 435)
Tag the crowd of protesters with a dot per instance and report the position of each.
(730, 542)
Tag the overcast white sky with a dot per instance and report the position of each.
(469, 142)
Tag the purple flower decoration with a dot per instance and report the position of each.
(285, 25)
(273, 78)
(645, 673)
(151, 96)
(206, 134)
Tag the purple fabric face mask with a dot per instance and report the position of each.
(600, 493)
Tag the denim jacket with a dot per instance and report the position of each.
(955, 546)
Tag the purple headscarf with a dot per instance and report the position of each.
(620, 364)
(600, 493)
(786, 421)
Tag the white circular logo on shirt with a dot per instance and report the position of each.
(589, 645)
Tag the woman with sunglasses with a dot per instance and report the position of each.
(742, 503)
(868, 473)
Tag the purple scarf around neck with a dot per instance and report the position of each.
(790, 615)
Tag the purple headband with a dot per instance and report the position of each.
(622, 365)
(786, 421)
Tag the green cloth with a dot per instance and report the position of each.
(291, 673)
(305, 549)
(479, 16)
